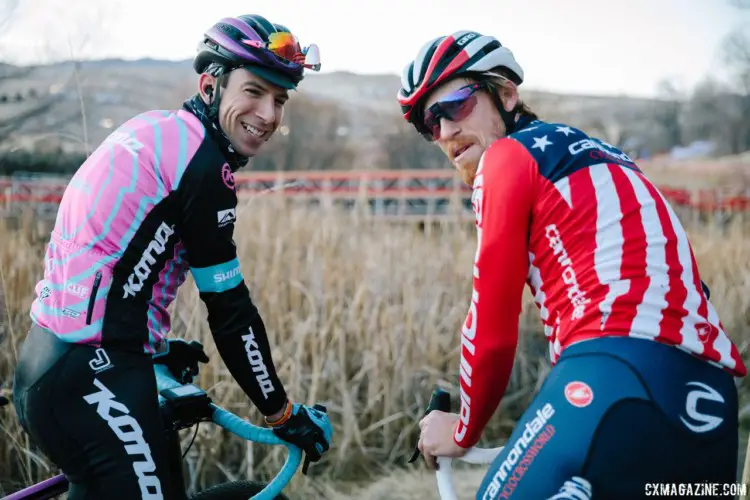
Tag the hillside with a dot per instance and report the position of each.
(114, 90)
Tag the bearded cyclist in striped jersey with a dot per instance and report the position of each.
(154, 201)
(642, 388)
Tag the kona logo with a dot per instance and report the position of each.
(131, 144)
(128, 431)
(142, 270)
(256, 361)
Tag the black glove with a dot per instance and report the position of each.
(182, 359)
(308, 428)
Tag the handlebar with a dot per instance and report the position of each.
(440, 400)
(243, 429)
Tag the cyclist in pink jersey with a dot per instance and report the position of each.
(155, 201)
(642, 388)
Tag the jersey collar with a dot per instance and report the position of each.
(525, 121)
(196, 106)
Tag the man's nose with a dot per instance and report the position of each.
(448, 128)
(266, 109)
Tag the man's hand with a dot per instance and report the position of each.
(306, 428)
(436, 437)
(182, 359)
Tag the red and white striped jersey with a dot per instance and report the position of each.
(602, 251)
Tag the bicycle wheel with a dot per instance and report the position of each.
(236, 490)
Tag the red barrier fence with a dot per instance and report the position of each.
(410, 185)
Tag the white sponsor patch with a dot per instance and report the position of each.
(226, 217)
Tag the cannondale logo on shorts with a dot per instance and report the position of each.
(537, 432)
(698, 421)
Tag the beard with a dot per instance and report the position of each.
(468, 173)
(468, 169)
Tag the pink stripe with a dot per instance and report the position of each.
(244, 28)
(170, 131)
(230, 45)
(136, 137)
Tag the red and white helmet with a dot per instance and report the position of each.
(447, 56)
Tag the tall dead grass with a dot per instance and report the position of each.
(363, 316)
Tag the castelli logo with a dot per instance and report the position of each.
(579, 394)
(705, 331)
(227, 177)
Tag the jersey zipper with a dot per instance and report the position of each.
(92, 299)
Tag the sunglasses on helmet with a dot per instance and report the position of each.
(454, 107)
(285, 46)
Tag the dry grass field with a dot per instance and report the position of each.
(364, 317)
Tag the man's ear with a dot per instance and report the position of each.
(508, 96)
(207, 87)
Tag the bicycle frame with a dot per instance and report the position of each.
(49, 488)
(58, 485)
(240, 428)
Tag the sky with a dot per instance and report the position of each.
(601, 47)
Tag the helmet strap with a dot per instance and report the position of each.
(508, 117)
(213, 108)
(208, 113)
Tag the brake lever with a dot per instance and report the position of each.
(439, 400)
(306, 463)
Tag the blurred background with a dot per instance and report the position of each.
(365, 294)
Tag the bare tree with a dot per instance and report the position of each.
(704, 112)
(12, 118)
(314, 135)
(736, 55)
(403, 148)
(51, 106)
(668, 112)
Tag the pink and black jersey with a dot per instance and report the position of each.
(154, 201)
